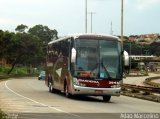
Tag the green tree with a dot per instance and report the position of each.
(44, 33)
(21, 28)
(136, 48)
(5, 40)
(26, 48)
(22, 48)
(1, 42)
(155, 48)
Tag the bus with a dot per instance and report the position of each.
(85, 64)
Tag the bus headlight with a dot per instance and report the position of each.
(76, 82)
(82, 84)
(116, 86)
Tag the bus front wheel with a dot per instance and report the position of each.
(106, 98)
(67, 91)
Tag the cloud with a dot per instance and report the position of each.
(8, 21)
(146, 4)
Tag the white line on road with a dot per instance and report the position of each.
(37, 101)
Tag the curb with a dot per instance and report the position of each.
(148, 81)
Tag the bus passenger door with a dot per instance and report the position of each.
(58, 66)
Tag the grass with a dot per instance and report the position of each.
(3, 115)
(17, 72)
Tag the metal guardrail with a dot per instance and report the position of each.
(141, 88)
(141, 92)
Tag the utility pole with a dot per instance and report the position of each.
(86, 16)
(130, 59)
(91, 18)
(122, 22)
(111, 32)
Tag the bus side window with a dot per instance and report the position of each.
(65, 48)
(49, 52)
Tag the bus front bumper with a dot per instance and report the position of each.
(96, 91)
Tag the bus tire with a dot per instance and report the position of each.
(68, 95)
(50, 87)
(106, 98)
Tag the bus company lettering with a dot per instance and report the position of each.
(88, 81)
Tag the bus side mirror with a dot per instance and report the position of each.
(73, 55)
(126, 58)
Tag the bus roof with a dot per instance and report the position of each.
(86, 35)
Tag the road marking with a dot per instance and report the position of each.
(38, 102)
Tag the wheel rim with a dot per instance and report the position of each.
(50, 87)
(67, 92)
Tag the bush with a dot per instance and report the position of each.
(2, 69)
(16, 70)
(19, 70)
(3, 115)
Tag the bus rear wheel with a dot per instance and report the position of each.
(106, 98)
(51, 87)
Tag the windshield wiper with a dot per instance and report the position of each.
(95, 70)
(105, 69)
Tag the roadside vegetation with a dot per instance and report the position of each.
(3, 115)
(24, 48)
(18, 72)
(136, 48)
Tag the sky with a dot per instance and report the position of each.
(68, 16)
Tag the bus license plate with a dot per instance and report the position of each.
(98, 91)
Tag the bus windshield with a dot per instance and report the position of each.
(98, 58)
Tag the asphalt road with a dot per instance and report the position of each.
(28, 98)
